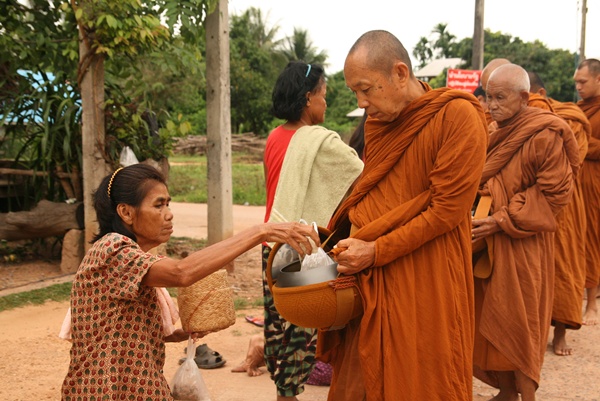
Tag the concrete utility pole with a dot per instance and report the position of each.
(582, 43)
(478, 37)
(218, 118)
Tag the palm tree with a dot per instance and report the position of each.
(423, 51)
(300, 47)
(445, 40)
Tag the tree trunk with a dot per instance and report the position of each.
(94, 165)
(47, 219)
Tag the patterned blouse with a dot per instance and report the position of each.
(118, 349)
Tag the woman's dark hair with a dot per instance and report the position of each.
(289, 93)
(128, 185)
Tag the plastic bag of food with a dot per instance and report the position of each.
(188, 384)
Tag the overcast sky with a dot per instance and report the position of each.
(334, 25)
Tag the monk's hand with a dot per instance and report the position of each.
(358, 255)
(482, 228)
(294, 234)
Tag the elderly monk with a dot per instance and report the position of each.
(483, 80)
(528, 173)
(409, 247)
(587, 83)
(569, 239)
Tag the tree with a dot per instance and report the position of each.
(423, 52)
(555, 66)
(300, 47)
(254, 68)
(444, 42)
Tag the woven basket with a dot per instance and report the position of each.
(207, 306)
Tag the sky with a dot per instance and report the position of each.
(334, 25)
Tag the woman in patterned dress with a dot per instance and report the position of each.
(118, 345)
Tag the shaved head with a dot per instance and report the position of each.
(512, 75)
(489, 68)
(592, 64)
(587, 78)
(383, 50)
(507, 92)
(535, 82)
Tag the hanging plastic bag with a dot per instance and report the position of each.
(318, 257)
(127, 157)
(188, 384)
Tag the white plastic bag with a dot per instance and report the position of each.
(318, 257)
(127, 157)
(188, 384)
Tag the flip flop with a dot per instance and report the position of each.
(256, 320)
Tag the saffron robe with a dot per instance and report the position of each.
(415, 338)
(529, 175)
(539, 101)
(569, 241)
(590, 183)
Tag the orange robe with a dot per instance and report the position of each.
(590, 182)
(529, 175)
(415, 338)
(569, 243)
(539, 101)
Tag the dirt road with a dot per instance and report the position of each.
(33, 360)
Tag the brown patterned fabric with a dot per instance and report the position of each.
(118, 349)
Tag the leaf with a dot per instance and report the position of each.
(112, 21)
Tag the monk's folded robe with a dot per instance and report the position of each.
(528, 173)
(590, 183)
(569, 241)
(415, 338)
(540, 102)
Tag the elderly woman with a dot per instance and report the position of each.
(118, 344)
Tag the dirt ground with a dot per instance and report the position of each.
(34, 361)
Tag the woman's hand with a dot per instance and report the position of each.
(179, 335)
(294, 234)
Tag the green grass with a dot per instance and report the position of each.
(56, 292)
(187, 180)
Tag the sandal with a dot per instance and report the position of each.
(206, 358)
(256, 320)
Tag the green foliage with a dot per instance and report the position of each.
(43, 127)
(300, 47)
(119, 27)
(56, 292)
(340, 101)
(187, 181)
(254, 69)
(555, 66)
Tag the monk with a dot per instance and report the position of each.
(485, 76)
(528, 173)
(587, 83)
(569, 239)
(408, 219)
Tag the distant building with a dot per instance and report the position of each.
(436, 67)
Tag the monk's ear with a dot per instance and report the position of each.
(542, 92)
(401, 71)
(126, 213)
(524, 97)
